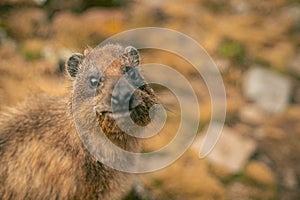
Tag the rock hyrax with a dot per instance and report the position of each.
(41, 153)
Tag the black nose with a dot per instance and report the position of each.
(122, 97)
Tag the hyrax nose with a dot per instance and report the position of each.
(122, 95)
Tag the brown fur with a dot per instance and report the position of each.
(41, 154)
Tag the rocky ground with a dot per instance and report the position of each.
(255, 44)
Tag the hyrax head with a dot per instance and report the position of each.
(107, 79)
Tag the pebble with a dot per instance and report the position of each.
(269, 90)
(232, 151)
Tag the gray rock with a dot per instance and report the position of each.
(232, 150)
(270, 91)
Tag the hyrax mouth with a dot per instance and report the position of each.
(115, 115)
(139, 114)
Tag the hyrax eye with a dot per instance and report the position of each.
(93, 81)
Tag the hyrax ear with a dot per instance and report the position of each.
(87, 51)
(73, 64)
(133, 55)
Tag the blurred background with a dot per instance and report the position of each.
(256, 46)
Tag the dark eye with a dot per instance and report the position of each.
(94, 81)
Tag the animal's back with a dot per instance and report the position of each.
(32, 147)
(41, 156)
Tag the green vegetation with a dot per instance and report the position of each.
(232, 50)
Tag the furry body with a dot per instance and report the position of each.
(42, 155)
